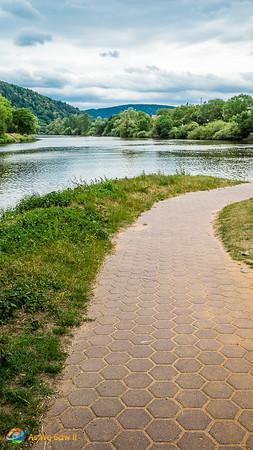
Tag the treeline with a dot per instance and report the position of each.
(215, 119)
(15, 120)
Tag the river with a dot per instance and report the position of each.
(55, 162)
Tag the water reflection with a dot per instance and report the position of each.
(54, 162)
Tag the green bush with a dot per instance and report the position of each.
(230, 131)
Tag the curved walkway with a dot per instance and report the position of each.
(168, 362)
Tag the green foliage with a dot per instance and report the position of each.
(244, 121)
(215, 119)
(236, 105)
(5, 115)
(163, 125)
(230, 131)
(210, 111)
(24, 121)
(76, 125)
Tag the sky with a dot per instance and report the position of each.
(97, 53)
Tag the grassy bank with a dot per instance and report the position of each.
(15, 138)
(51, 249)
(235, 225)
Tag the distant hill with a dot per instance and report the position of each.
(43, 107)
(111, 111)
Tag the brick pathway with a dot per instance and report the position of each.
(168, 362)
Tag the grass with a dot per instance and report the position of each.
(51, 249)
(235, 226)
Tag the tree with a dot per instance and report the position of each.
(236, 105)
(184, 114)
(245, 123)
(162, 126)
(98, 127)
(230, 131)
(211, 110)
(24, 121)
(5, 114)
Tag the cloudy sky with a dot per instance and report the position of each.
(94, 53)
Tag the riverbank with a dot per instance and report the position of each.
(235, 226)
(15, 138)
(51, 250)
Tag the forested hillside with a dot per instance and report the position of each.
(43, 107)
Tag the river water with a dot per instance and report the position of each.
(55, 162)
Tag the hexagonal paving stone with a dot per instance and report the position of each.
(134, 418)
(141, 351)
(243, 323)
(140, 365)
(185, 339)
(110, 388)
(92, 365)
(190, 380)
(196, 441)
(211, 358)
(163, 345)
(244, 399)
(214, 373)
(129, 440)
(138, 380)
(114, 372)
(163, 373)
(193, 419)
(227, 433)
(163, 334)
(87, 380)
(222, 409)
(136, 397)
(107, 407)
(246, 419)
(233, 351)
(59, 405)
(120, 345)
(163, 357)
(82, 397)
(206, 334)
(241, 381)
(192, 398)
(237, 365)
(102, 430)
(208, 344)
(76, 417)
(166, 408)
(186, 351)
(117, 358)
(163, 430)
(163, 389)
(187, 365)
(218, 389)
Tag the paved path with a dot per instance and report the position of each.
(168, 362)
